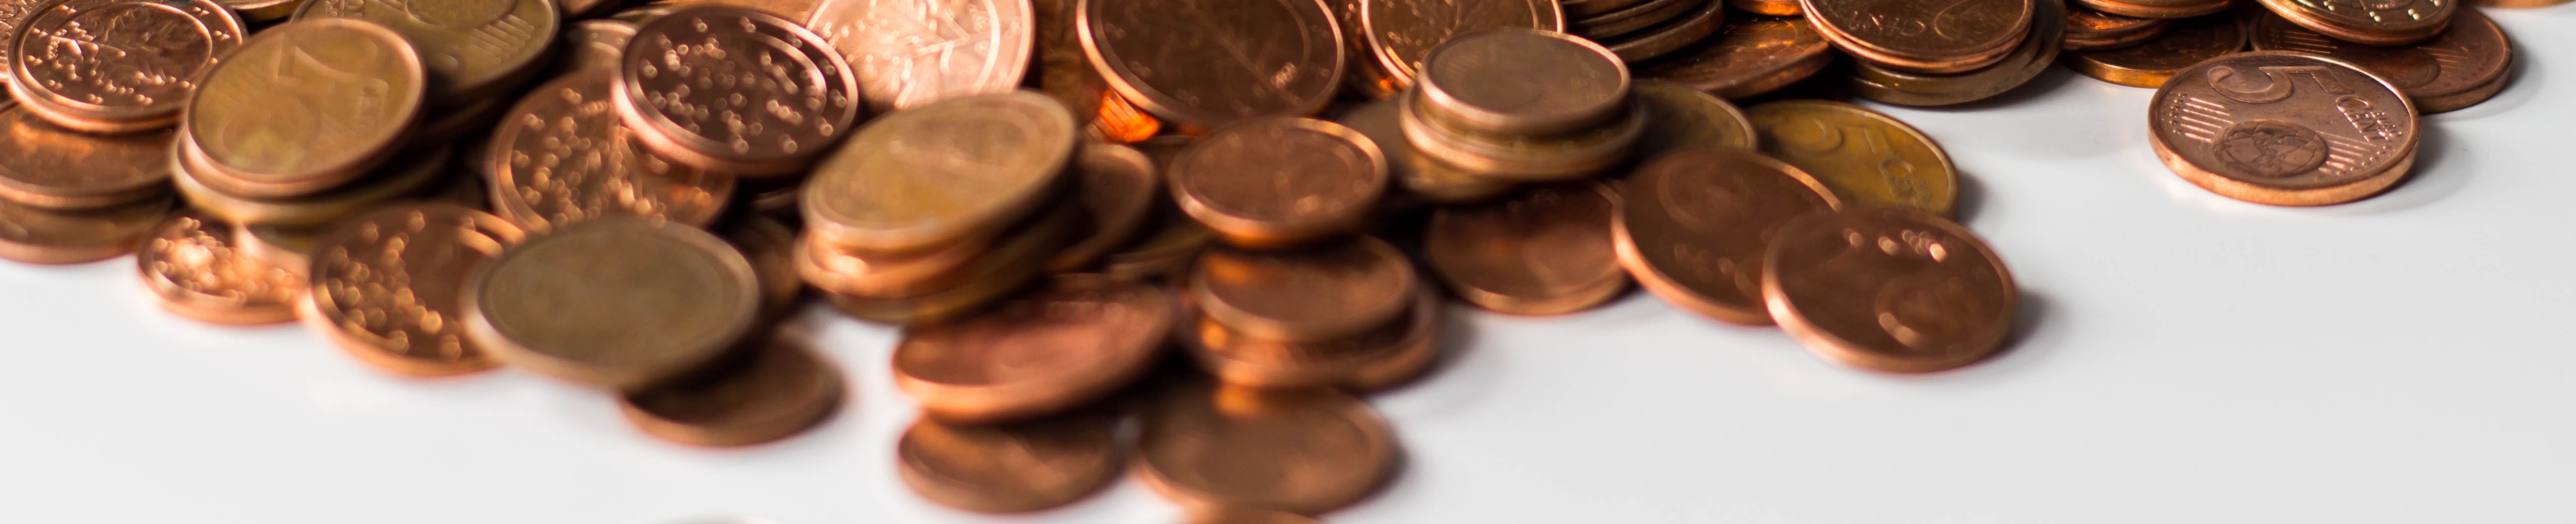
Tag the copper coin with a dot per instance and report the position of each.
(2518, 4)
(48, 166)
(1064, 71)
(2088, 29)
(2382, 22)
(1515, 81)
(1673, 36)
(771, 248)
(37, 235)
(1421, 175)
(1169, 249)
(838, 270)
(1584, 8)
(1273, 182)
(455, 122)
(1397, 35)
(2471, 55)
(1011, 467)
(304, 107)
(2148, 65)
(942, 172)
(1749, 57)
(1926, 37)
(385, 286)
(472, 49)
(1120, 187)
(563, 156)
(905, 53)
(2165, 9)
(1889, 289)
(1678, 117)
(1317, 449)
(112, 66)
(1072, 342)
(2283, 128)
(1203, 64)
(14, 13)
(282, 247)
(616, 303)
(735, 90)
(1574, 155)
(1309, 295)
(1544, 252)
(1635, 18)
(1692, 226)
(793, 10)
(1863, 156)
(1010, 264)
(594, 44)
(1768, 7)
(2033, 56)
(1225, 515)
(1382, 356)
(412, 175)
(191, 268)
(771, 390)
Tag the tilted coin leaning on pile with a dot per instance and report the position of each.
(1228, 219)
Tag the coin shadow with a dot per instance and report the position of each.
(1457, 336)
(1972, 198)
(2437, 173)
(2026, 341)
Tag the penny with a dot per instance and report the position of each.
(1065, 72)
(2283, 128)
(1074, 341)
(644, 13)
(304, 107)
(414, 174)
(1768, 7)
(1515, 157)
(1011, 467)
(2386, 22)
(767, 391)
(1322, 448)
(288, 248)
(1399, 34)
(784, 96)
(2163, 9)
(2471, 55)
(1202, 65)
(770, 247)
(14, 13)
(1224, 515)
(938, 173)
(2149, 64)
(1275, 182)
(472, 49)
(563, 156)
(1415, 173)
(1006, 267)
(37, 235)
(1543, 252)
(111, 66)
(594, 44)
(1861, 156)
(1635, 18)
(2093, 30)
(1666, 39)
(1119, 186)
(1926, 37)
(1382, 356)
(616, 303)
(1889, 289)
(1311, 295)
(48, 166)
(1586, 8)
(2033, 56)
(1679, 117)
(1170, 249)
(1746, 58)
(384, 285)
(1515, 81)
(1692, 226)
(191, 268)
(838, 270)
(905, 53)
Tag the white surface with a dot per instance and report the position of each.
(2188, 358)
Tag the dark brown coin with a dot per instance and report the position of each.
(1305, 451)
(735, 90)
(2379, 22)
(2088, 29)
(1382, 356)
(1170, 249)
(385, 285)
(1203, 64)
(2283, 128)
(2459, 68)
(1544, 252)
(192, 268)
(1070, 343)
(771, 390)
(2149, 64)
(564, 156)
(1120, 187)
(617, 303)
(1927, 37)
(1693, 224)
(1310, 295)
(1889, 289)
(594, 43)
(1010, 467)
(1749, 57)
(1275, 182)
(111, 66)
(48, 166)
(37, 235)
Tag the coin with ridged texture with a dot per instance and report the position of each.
(48, 166)
(910, 52)
(472, 48)
(37, 235)
(1074, 341)
(735, 90)
(1889, 289)
(1692, 226)
(1275, 182)
(108, 66)
(1309, 295)
(1327, 448)
(563, 156)
(941, 172)
(768, 390)
(1012, 467)
(1204, 64)
(192, 267)
(1862, 156)
(384, 286)
(305, 107)
(2283, 128)
(615, 303)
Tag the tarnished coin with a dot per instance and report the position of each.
(1749, 57)
(37, 235)
(941, 172)
(1768, 7)
(1862, 156)
(2088, 29)
(110, 66)
(616, 302)
(472, 48)
(305, 107)
(766, 391)
(2149, 64)
(1544, 252)
(2379, 22)
(1679, 117)
(1889, 289)
(2463, 66)
(414, 174)
(1203, 64)
(563, 155)
(48, 166)
(2165, 9)
(1011, 467)
(735, 90)
(1398, 34)
(1691, 27)
(1515, 81)
(1614, 24)
(1325, 449)
(1274, 182)
(1692, 226)
(1383, 356)
(1927, 37)
(1310, 295)
(192, 268)
(2026, 61)
(1517, 157)
(2283, 128)
(1074, 341)
(384, 285)
(1120, 187)
(1421, 175)
(910, 52)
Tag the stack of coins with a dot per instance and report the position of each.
(2149, 62)
(1389, 38)
(1508, 106)
(1640, 30)
(1750, 57)
(1914, 54)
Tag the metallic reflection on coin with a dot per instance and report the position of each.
(735, 90)
(909, 52)
(110, 66)
(616, 303)
(1693, 224)
(1863, 156)
(385, 285)
(2283, 128)
(1889, 289)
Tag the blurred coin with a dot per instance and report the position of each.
(2313, 131)
(1398, 34)
(2088, 29)
(14, 13)
(1515, 81)
(838, 270)
(48, 166)
(1382, 356)
(1418, 174)
(1692, 226)
(770, 247)
(1862, 156)
(1064, 71)
(1011, 467)
(385, 285)
(594, 44)
(2384, 22)
(1572, 155)
(905, 53)
(1749, 57)
(192, 268)
(1120, 187)
(1202, 65)
(1169, 249)
(1322, 448)
(792, 10)
(1924, 37)
(2459, 68)
(2027, 61)
(37, 235)
(1543, 252)
(2149, 64)
(472, 49)
(111, 66)
(1768, 7)
(282, 247)
(1635, 18)
(615, 303)
(1317, 294)
(941, 172)
(1674, 35)
(766, 391)
(264, 10)
(1678, 117)
(2165, 9)
(453, 123)
(668, 90)
(414, 174)
(1275, 182)
(1587, 8)
(1079, 338)
(304, 107)
(1889, 289)
(563, 156)
(1010, 264)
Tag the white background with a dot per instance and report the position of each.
(2186, 358)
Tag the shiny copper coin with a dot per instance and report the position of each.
(1321, 293)
(1120, 187)
(1692, 226)
(2088, 29)
(1224, 515)
(735, 90)
(1672, 36)
(304, 107)
(1574, 155)
(1203, 64)
(770, 247)
(579, 9)
(412, 175)
(1544, 252)
(1274, 182)
(564, 156)
(1607, 26)
(1748, 57)
(1418, 174)
(2283, 128)
(1523, 82)
(2033, 56)
(2148, 65)
(1006, 267)
(1678, 117)
(1383, 356)
(2471, 56)
(1320, 448)
(1397, 35)
(1064, 71)
(385, 286)
(48, 166)
(2163, 9)
(942, 172)
(2383, 22)
(472, 49)
(1074, 341)
(288, 248)
(905, 53)
(1889, 289)
(1862, 156)
(769, 391)
(1926, 37)
(191, 268)
(1010, 467)
(616, 303)
(109, 66)
(37, 235)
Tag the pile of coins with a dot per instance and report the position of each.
(1082, 210)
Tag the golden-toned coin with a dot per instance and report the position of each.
(1119, 186)
(1925, 37)
(1692, 226)
(2459, 68)
(37, 235)
(770, 246)
(48, 166)
(1011, 467)
(1514, 81)
(1612, 25)
(473, 49)
(735, 90)
(110, 66)
(2088, 29)
(1310, 295)
(385, 285)
(1379, 121)
(1275, 182)
(1678, 117)
(906, 53)
(191, 268)
(1575, 155)
(1747, 58)
(1078, 339)
(594, 44)
(304, 107)
(1202, 65)
(2383, 22)
(1889, 289)
(1691, 28)
(2149, 64)
(1325, 448)
(942, 172)
(764, 392)
(1008, 265)
(1396, 34)
(288, 248)
(2166, 9)
(1544, 252)
(1768, 7)
(617, 302)
(2283, 128)
(414, 174)
(2027, 61)
(563, 156)
(1863, 156)
(1383, 356)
